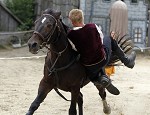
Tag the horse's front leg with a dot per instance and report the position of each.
(102, 93)
(74, 98)
(80, 103)
(43, 90)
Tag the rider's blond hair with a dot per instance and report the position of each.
(76, 15)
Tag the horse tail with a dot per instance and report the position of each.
(126, 44)
(58, 92)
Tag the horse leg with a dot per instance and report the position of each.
(74, 98)
(80, 103)
(43, 90)
(102, 93)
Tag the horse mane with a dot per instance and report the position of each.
(48, 11)
(53, 12)
(65, 27)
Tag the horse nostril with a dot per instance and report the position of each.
(34, 45)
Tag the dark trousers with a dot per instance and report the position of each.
(94, 71)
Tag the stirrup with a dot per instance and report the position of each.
(106, 83)
(103, 81)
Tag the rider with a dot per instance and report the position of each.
(95, 51)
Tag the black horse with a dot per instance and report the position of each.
(62, 69)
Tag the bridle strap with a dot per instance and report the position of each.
(41, 36)
(50, 34)
(52, 69)
(44, 44)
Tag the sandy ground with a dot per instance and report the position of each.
(19, 80)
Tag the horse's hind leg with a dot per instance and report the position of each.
(102, 93)
(43, 90)
(80, 103)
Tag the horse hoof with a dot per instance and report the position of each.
(29, 113)
(107, 110)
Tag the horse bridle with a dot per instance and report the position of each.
(44, 44)
(48, 37)
(50, 34)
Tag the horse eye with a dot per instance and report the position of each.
(49, 25)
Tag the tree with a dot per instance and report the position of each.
(24, 10)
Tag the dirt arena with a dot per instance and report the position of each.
(19, 80)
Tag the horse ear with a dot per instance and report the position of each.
(57, 15)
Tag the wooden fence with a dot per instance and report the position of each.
(16, 39)
(8, 22)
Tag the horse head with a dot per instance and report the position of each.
(45, 28)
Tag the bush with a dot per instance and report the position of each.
(24, 10)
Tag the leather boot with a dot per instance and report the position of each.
(105, 82)
(128, 60)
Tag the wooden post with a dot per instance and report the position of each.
(38, 8)
(148, 45)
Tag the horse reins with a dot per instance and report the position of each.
(44, 44)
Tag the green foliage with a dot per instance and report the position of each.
(148, 1)
(24, 10)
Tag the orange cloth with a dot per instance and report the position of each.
(110, 70)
